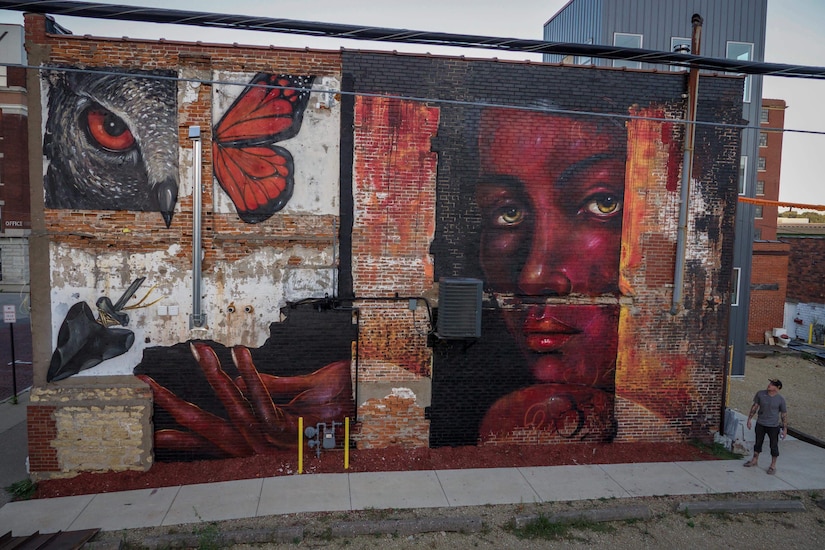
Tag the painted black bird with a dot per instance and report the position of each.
(111, 141)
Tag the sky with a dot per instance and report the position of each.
(795, 35)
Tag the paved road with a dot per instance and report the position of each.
(22, 348)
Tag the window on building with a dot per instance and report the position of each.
(567, 60)
(679, 45)
(626, 40)
(761, 164)
(743, 173)
(760, 187)
(585, 59)
(734, 295)
(757, 234)
(763, 139)
(742, 51)
(763, 116)
(757, 211)
(4, 78)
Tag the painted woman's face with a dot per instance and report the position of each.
(551, 192)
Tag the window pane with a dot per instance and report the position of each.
(761, 164)
(757, 211)
(763, 139)
(734, 298)
(743, 173)
(679, 45)
(763, 116)
(583, 59)
(624, 40)
(760, 187)
(743, 52)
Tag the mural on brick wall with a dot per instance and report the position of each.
(533, 188)
(215, 402)
(111, 140)
(256, 173)
(84, 341)
(550, 193)
(546, 192)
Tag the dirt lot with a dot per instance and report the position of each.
(804, 384)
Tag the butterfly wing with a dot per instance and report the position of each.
(258, 179)
(255, 173)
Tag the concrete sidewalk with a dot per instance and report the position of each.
(800, 468)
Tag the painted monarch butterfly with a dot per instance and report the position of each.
(255, 173)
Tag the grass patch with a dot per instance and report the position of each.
(717, 450)
(547, 529)
(22, 490)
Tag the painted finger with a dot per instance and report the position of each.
(215, 429)
(268, 414)
(187, 442)
(236, 405)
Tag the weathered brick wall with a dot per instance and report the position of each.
(671, 364)
(96, 425)
(408, 171)
(805, 267)
(305, 240)
(769, 285)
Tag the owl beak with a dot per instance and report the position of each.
(166, 195)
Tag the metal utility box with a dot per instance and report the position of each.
(459, 308)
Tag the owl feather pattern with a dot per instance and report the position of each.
(111, 142)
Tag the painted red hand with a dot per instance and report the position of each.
(263, 410)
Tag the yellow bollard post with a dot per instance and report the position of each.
(810, 333)
(300, 444)
(346, 443)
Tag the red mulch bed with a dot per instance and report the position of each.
(167, 474)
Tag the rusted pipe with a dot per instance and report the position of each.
(687, 167)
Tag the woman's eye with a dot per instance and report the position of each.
(510, 215)
(603, 205)
(108, 130)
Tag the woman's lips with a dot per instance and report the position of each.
(547, 334)
(547, 342)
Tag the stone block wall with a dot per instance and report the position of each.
(101, 425)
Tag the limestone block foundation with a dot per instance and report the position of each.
(89, 424)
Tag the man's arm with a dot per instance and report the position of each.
(784, 417)
(754, 409)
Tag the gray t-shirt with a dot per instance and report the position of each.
(769, 408)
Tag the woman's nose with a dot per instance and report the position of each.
(538, 278)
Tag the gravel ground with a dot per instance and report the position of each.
(665, 528)
(804, 384)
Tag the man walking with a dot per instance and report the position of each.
(772, 420)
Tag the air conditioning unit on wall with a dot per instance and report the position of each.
(459, 308)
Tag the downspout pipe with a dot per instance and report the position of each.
(198, 318)
(687, 168)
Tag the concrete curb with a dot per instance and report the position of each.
(407, 526)
(618, 513)
(740, 506)
(225, 538)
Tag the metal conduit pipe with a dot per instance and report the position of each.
(197, 319)
(687, 168)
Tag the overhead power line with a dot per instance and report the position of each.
(380, 34)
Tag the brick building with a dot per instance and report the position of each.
(769, 269)
(15, 219)
(317, 234)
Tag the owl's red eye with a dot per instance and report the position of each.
(109, 130)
